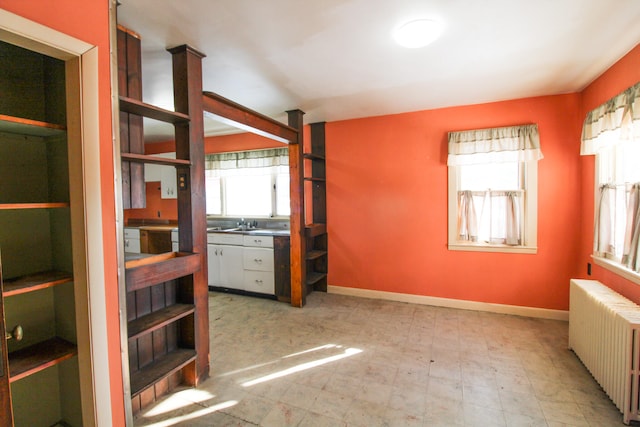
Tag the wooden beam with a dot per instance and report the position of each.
(296, 188)
(226, 111)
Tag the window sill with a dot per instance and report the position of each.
(493, 248)
(617, 268)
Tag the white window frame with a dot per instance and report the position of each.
(529, 172)
(613, 265)
(274, 189)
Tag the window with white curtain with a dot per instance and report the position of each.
(493, 189)
(612, 133)
(248, 183)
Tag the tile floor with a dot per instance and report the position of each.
(346, 361)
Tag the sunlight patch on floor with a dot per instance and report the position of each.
(178, 400)
(302, 367)
(196, 414)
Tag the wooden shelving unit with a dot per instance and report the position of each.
(38, 290)
(316, 255)
(166, 294)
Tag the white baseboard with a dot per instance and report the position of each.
(542, 313)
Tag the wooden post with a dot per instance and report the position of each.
(192, 220)
(298, 241)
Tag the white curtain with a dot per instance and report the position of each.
(505, 144)
(631, 252)
(490, 216)
(614, 122)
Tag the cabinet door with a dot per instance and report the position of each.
(231, 266)
(213, 264)
(6, 415)
(169, 183)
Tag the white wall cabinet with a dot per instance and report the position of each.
(166, 175)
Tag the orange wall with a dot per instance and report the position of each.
(623, 74)
(387, 206)
(89, 21)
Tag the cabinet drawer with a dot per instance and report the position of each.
(131, 233)
(258, 241)
(224, 238)
(259, 281)
(258, 259)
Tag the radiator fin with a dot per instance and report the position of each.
(604, 332)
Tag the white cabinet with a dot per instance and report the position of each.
(243, 262)
(132, 240)
(166, 175)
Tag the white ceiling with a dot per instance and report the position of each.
(336, 59)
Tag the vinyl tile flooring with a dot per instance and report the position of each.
(347, 361)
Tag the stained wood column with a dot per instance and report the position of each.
(296, 188)
(192, 221)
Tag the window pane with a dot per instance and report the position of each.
(495, 176)
(283, 208)
(248, 195)
(213, 200)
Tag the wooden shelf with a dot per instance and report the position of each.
(312, 156)
(133, 106)
(314, 277)
(314, 178)
(34, 282)
(315, 254)
(143, 158)
(313, 230)
(35, 358)
(158, 319)
(159, 369)
(151, 270)
(55, 205)
(29, 127)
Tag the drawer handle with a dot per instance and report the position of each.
(17, 333)
(257, 241)
(258, 281)
(258, 260)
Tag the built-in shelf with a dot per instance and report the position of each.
(34, 282)
(35, 358)
(159, 369)
(133, 106)
(22, 126)
(158, 319)
(312, 156)
(315, 254)
(313, 230)
(314, 277)
(153, 269)
(143, 158)
(54, 205)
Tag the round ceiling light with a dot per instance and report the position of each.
(418, 33)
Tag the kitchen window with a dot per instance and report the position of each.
(612, 133)
(248, 183)
(493, 189)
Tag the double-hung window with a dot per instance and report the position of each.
(493, 189)
(248, 183)
(612, 133)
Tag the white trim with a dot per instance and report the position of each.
(617, 268)
(516, 310)
(476, 247)
(30, 35)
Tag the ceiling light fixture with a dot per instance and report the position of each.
(418, 33)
